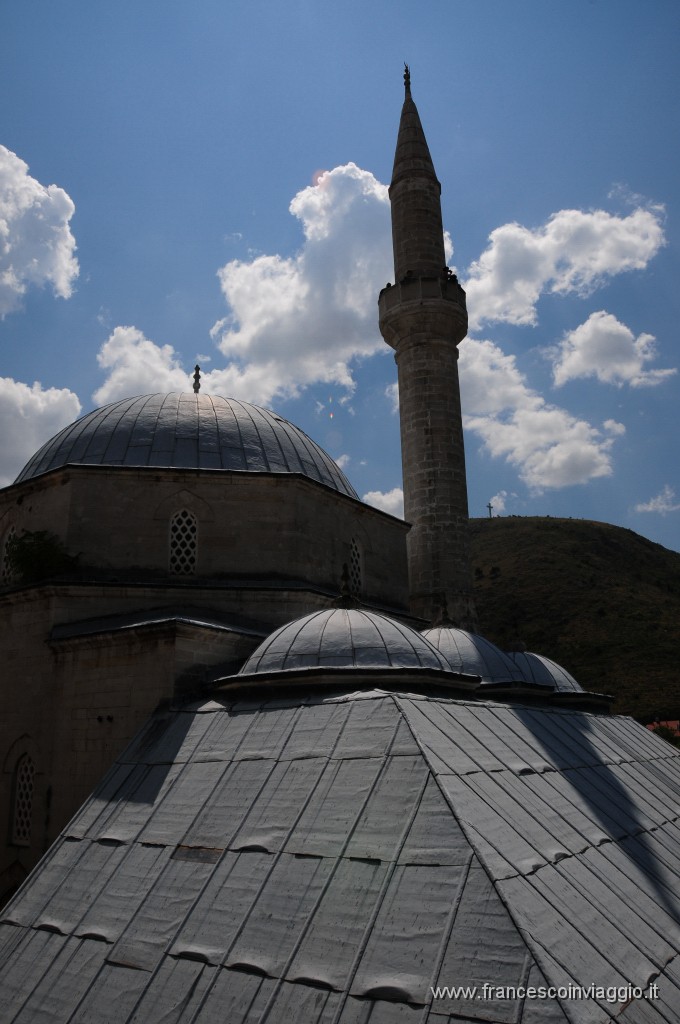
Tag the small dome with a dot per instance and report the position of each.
(470, 653)
(344, 638)
(188, 431)
(536, 668)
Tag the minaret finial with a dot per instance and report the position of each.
(197, 379)
(407, 79)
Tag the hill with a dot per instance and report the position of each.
(599, 599)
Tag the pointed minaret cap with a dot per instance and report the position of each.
(412, 157)
(415, 195)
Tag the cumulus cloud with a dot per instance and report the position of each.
(605, 348)
(307, 319)
(36, 244)
(29, 416)
(392, 393)
(137, 366)
(304, 319)
(498, 502)
(490, 380)
(343, 461)
(388, 501)
(663, 503)
(548, 446)
(575, 251)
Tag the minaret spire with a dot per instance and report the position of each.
(417, 232)
(423, 317)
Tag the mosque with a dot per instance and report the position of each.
(273, 771)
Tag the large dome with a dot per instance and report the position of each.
(188, 431)
(344, 638)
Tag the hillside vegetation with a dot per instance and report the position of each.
(599, 599)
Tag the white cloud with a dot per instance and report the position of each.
(342, 461)
(548, 446)
(36, 244)
(605, 348)
(575, 251)
(614, 428)
(663, 503)
(389, 501)
(490, 380)
(498, 502)
(392, 392)
(305, 319)
(29, 416)
(137, 366)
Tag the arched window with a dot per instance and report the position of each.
(355, 567)
(183, 543)
(6, 573)
(22, 804)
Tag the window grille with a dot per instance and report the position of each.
(355, 574)
(183, 543)
(23, 801)
(5, 566)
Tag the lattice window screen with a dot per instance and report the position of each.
(5, 567)
(183, 543)
(23, 801)
(355, 573)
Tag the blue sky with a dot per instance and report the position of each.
(207, 180)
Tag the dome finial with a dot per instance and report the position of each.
(197, 379)
(407, 79)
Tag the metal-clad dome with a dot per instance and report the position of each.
(188, 431)
(536, 668)
(470, 653)
(344, 638)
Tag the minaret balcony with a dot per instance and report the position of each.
(423, 304)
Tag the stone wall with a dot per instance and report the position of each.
(249, 526)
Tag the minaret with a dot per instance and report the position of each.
(423, 318)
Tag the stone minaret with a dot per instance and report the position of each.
(423, 318)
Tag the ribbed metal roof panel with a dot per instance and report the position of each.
(323, 861)
(547, 839)
(188, 431)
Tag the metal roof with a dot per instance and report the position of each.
(539, 669)
(188, 431)
(344, 637)
(143, 618)
(473, 654)
(329, 860)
